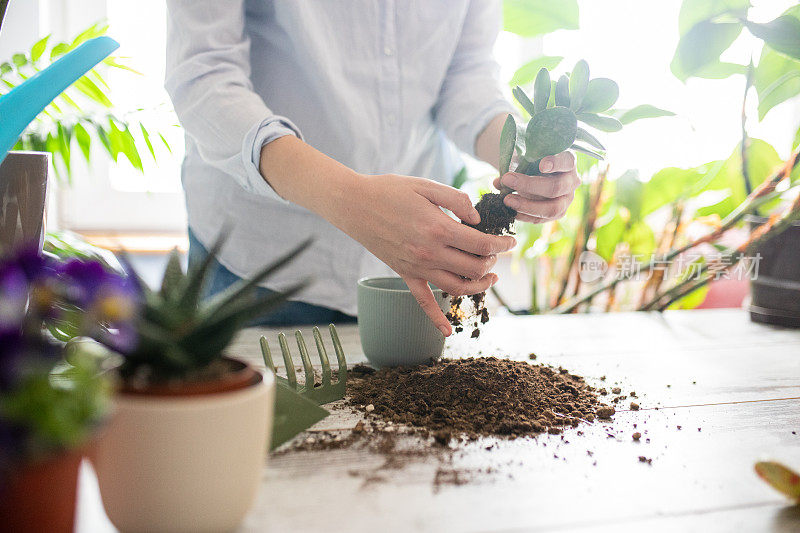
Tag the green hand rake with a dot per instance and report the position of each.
(297, 406)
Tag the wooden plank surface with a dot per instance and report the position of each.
(738, 382)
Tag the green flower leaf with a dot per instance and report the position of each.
(550, 132)
(541, 90)
(600, 122)
(508, 139)
(601, 94)
(578, 83)
(562, 91)
(38, 49)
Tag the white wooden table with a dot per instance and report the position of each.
(715, 370)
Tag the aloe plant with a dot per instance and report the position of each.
(181, 335)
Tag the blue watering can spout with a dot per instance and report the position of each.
(20, 107)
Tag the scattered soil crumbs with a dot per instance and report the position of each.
(479, 397)
(496, 219)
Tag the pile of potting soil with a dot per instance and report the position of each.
(477, 397)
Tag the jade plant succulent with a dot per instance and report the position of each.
(181, 335)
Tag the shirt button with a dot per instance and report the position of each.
(388, 51)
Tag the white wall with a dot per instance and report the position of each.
(20, 28)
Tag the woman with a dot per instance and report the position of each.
(314, 117)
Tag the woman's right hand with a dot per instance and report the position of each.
(398, 219)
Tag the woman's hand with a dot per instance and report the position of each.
(543, 198)
(398, 219)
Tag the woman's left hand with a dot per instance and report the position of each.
(543, 198)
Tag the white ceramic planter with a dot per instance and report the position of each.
(185, 464)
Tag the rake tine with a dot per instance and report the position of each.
(267, 354)
(309, 370)
(323, 357)
(337, 346)
(287, 360)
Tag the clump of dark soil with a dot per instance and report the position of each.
(496, 219)
(479, 397)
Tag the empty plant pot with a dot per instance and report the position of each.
(186, 463)
(775, 292)
(23, 190)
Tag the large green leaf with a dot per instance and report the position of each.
(629, 192)
(641, 240)
(773, 80)
(700, 48)
(541, 90)
(550, 132)
(600, 122)
(667, 186)
(781, 34)
(578, 83)
(609, 232)
(508, 139)
(530, 18)
(626, 116)
(527, 72)
(601, 94)
(695, 11)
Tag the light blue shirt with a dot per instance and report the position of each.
(383, 86)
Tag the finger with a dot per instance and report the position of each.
(522, 217)
(549, 186)
(478, 243)
(465, 264)
(550, 208)
(457, 286)
(563, 162)
(424, 296)
(456, 201)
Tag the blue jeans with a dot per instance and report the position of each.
(288, 314)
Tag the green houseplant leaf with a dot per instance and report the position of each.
(578, 83)
(508, 140)
(600, 122)
(541, 90)
(627, 116)
(781, 34)
(601, 94)
(695, 11)
(699, 49)
(562, 91)
(589, 139)
(523, 100)
(527, 72)
(773, 81)
(529, 18)
(550, 132)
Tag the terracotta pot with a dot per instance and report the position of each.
(185, 462)
(41, 496)
(23, 191)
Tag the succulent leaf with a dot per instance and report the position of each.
(601, 94)
(589, 139)
(600, 122)
(562, 91)
(523, 100)
(508, 140)
(587, 151)
(550, 132)
(173, 275)
(578, 83)
(541, 90)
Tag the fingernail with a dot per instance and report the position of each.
(444, 330)
(546, 165)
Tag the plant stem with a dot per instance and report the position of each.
(745, 145)
(758, 197)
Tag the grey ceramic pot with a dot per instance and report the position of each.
(23, 190)
(393, 328)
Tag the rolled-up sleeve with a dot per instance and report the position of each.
(470, 95)
(208, 80)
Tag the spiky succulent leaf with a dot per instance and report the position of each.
(197, 278)
(541, 90)
(578, 83)
(600, 122)
(562, 91)
(550, 132)
(173, 276)
(508, 140)
(601, 94)
(523, 100)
